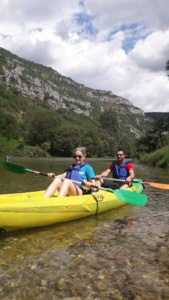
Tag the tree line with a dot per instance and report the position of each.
(50, 131)
(58, 132)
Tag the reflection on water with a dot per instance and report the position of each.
(35, 241)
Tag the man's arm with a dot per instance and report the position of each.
(131, 176)
(104, 173)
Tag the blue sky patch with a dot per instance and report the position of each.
(85, 21)
(133, 33)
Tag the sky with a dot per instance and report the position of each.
(120, 46)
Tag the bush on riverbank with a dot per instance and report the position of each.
(159, 158)
(18, 148)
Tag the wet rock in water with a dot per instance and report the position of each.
(127, 221)
(61, 284)
(72, 298)
(122, 260)
(4, 279)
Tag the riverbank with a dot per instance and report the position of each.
(17, 148)
(159, 158)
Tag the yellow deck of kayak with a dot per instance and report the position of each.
(26, 210)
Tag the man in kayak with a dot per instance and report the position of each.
(79, 171)
(121, 169)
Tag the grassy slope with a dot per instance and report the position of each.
(17, 148)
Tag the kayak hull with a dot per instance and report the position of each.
(30, 209)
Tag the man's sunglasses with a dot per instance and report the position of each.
(77, 156)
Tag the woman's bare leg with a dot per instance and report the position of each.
(56, 184)
(69, 188)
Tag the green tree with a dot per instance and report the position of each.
(67, 138)
(42, 127)
(91, 142)
(156, 137)
(109, 122)
(9, 126)
(112, 146)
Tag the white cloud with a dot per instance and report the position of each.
(119, 46)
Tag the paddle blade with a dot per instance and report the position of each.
(135, 198)
(162, 186)
(131, 197)
(12, 167)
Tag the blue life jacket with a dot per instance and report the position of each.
(120, 172)
(73, 173)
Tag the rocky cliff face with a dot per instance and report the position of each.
(39, 82)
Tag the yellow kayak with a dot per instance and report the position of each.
(30, 209)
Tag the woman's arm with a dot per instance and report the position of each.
(53, 176)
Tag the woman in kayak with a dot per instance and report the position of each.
(79, 171)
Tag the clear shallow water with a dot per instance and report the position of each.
(100, 257)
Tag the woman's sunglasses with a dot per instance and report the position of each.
(77, 156)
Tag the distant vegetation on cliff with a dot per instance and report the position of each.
(49, 114)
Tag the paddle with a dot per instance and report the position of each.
(126, 196)
(20, 169)
(123, 195)
(153, 184)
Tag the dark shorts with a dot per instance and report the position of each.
(86, 192)
(110, 184)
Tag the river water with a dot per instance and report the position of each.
(121, 254)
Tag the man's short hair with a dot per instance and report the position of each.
(120, 149)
